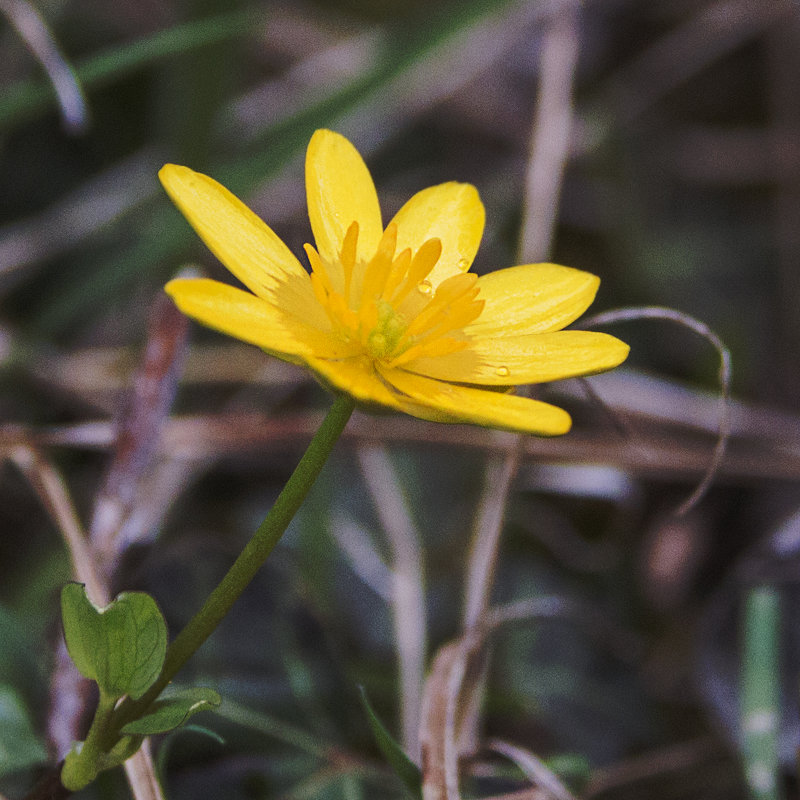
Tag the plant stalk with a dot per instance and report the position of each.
(249, 561)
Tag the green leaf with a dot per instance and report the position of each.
(172, 710)
(121, 646)
(404, 767)
(19, 745)
(267, 725)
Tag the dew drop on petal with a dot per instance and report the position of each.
(463, 264)
(425, 287)
(503, 372)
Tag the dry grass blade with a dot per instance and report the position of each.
(33, 29)
(141, 773)
(725, 376)
(459, 667)
(408, 593)
(362, 556)
(537, 772)
(481, 563)
(438, 732)
(54, 495)
(548, 155)
(549, 147)
(486, 533)
(665, 451)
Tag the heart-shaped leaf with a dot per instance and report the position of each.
(173, 709)
(121, 646)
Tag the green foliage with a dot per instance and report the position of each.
(19, 745)
(403, 766)
(31, 97)
(84, 763)
(172, 710)
(121, 646)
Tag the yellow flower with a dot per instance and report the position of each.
(392, 316)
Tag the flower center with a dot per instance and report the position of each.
(386, 308)
(385, 337)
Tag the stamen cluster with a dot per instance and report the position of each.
(387, 305)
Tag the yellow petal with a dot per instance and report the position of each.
(451, 212)
(533, 298)
(240, 239)
(340, 191)
(252, 319)
(445, 402)
(532, 358)
(356, 377)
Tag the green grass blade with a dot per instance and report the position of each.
(403, 766)
(29, 98)
(760, 692)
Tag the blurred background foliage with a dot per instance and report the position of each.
(681, 189)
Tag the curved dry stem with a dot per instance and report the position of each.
(725, 378)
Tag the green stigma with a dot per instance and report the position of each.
(384, 338)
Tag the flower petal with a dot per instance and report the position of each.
(531, 358)
(356, 377)
(451, 212)
(340, 191)
(532, 298)
(240, 239)
(445, 402)
(252, 319)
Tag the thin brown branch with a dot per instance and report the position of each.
(662, 451)
(153, 389)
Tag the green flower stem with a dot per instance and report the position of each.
(248, 563)
(81, 768)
